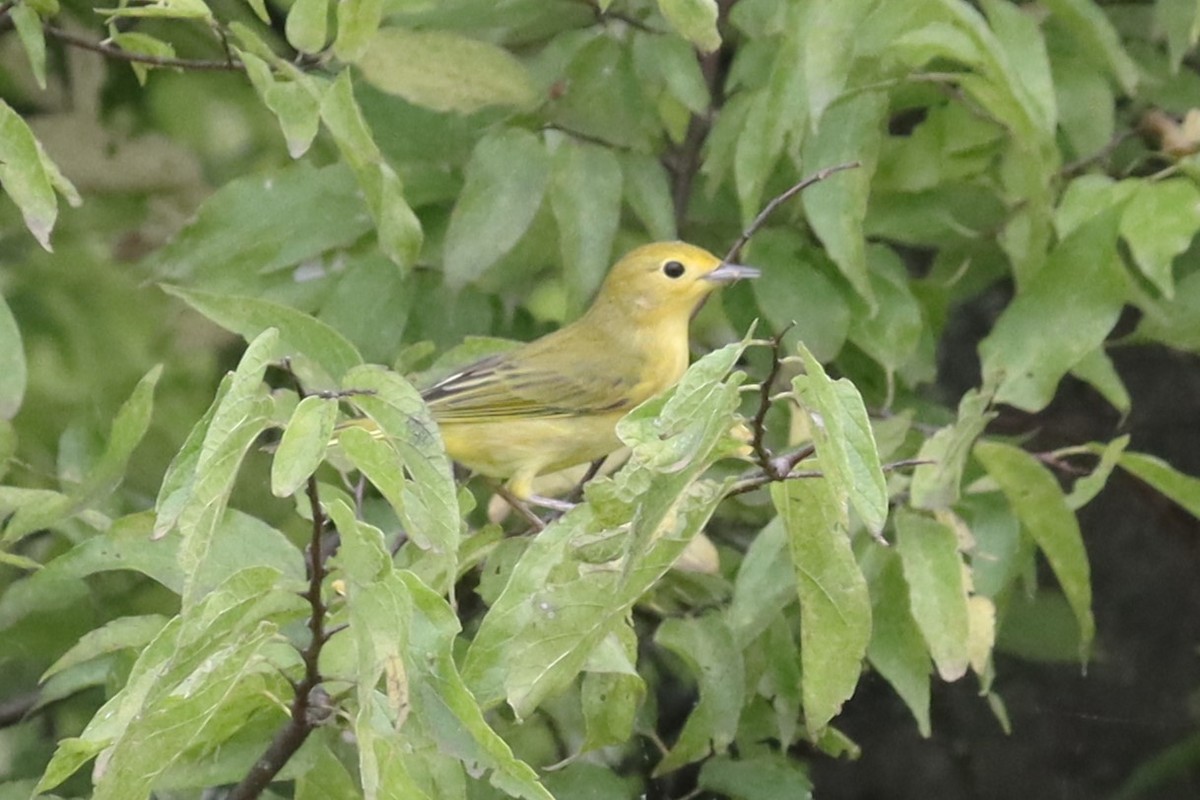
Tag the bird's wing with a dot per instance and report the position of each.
(506, 387)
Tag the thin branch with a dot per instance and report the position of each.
(770, 208)
(758, 426)
(114, 52)
(761, 479)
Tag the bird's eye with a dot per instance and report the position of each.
(672, 269)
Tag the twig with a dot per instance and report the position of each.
(310, 705)
(758, 425)
(762, 479)
(1082, 163)
(519, 506)
(112, 51)
(767, 211)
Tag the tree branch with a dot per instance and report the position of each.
(114, 52)
(310, 705)
(769, 209)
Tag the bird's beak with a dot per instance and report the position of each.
(728, 273)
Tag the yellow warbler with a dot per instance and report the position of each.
(555, 402)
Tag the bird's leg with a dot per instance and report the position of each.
(519, 505)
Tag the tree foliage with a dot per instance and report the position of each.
(230, 226)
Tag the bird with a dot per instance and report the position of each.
(554, 402)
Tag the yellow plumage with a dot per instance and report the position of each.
(555, 401)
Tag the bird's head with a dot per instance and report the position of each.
(667, 279)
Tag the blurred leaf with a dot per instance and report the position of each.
(327, 779)
(585, 196)
(505, 180)
(1085, 102)
(13, 375)
(400, 234)
(706, 645)
(1096, 38)
(610, 701)
(758, 777)
(177, 482)
(835, 607)
(29, 177)
(445, 71)
(142, 44)
(851, 130)
(1062, 314)
(844, 441)
(357, 23)
(1040, 628)
(827, 58)
(306, 25)
(1039, 503)
(29, 28)
(938, 485)
(1180, 21)
(694, 20)
(126, 433)
(257, 225)
(302, 446)
(1175, 323)
(897, 649)
(648, 193)
(166, 9)
(891, 334)
(933, 571)
(319, 354)
(1160, 222)
(1019, 34)
(602, 97)
(675, 62)
(1180, 488)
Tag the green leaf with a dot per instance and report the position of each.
(399, 230)
(237, 420)
(610, 701)
(768, 776)
(648, 193)
(445, 71)
(706, 645)
(1096, 38)
(938, 485)
(130, 425)
(306, 26)
(163, 9)
(13, 375)
(891, 334)
(897, 650)
(851, 130)
(933, 570)
(1063, 313)
(827, 59)
(357, 23)
(257, 225)
(1175, 323)
(835, 606)
(505, 180)
(585, 197)
(1097, 369)
(119, 634)
(1087, 487)
(404, 633)
(1159, 223)
(303, 444)
(429, 500)
(29, 177)
(177, 483)
(765, 584)
(318, 354)
(794, 291)
(296, 103)
(326, 779)
(694, 20)
(1027, 64)
(29, 27)
(1182, 489)
(1180, 21)
(1038, 502)
(142, 44)
(844, 440)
